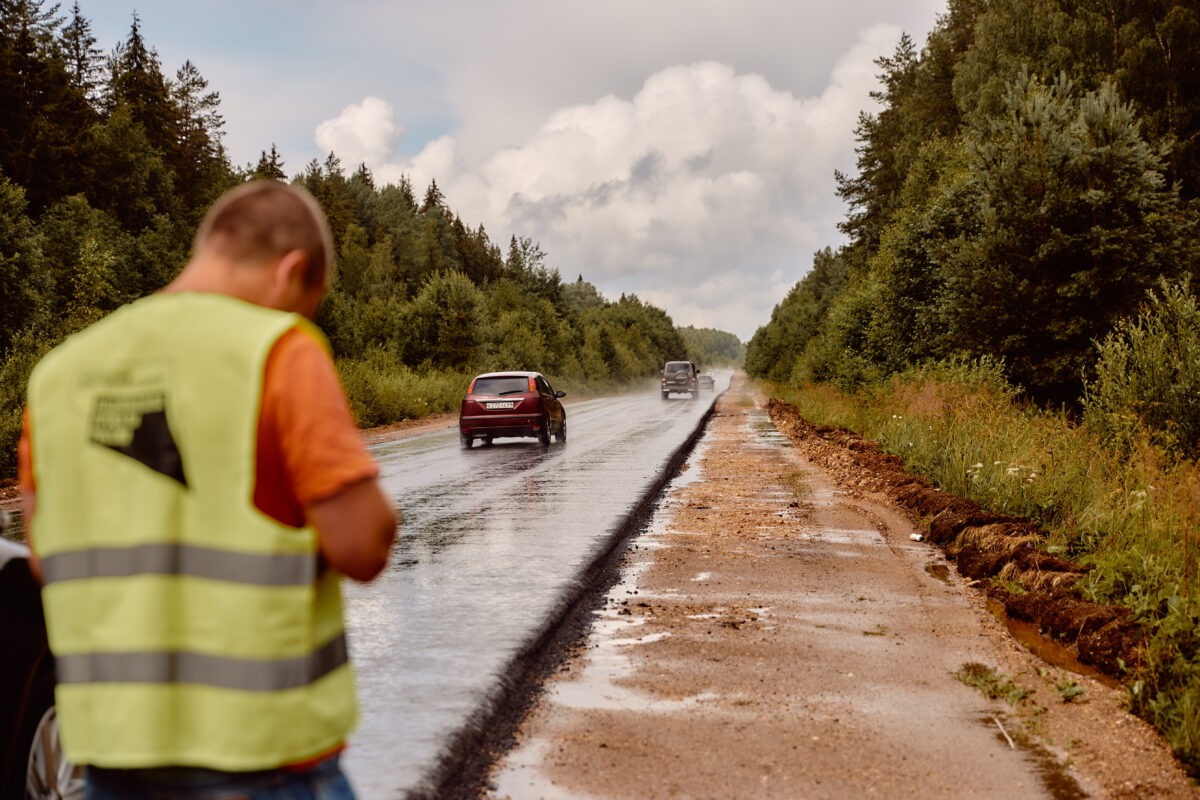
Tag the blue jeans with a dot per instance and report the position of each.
(325, 781)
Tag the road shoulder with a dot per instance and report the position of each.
(776, 635)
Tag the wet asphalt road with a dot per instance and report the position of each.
(494, 538)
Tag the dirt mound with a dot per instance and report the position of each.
(1000, 552)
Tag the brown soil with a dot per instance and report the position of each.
(411, 427)
(780, 634)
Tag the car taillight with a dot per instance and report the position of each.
(532, 385)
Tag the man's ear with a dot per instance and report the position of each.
(292, 270)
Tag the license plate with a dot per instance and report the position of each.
(501, 405)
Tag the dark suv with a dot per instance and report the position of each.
(680, 376)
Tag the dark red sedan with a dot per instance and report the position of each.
(500, 404)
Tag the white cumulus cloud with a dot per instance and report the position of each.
(362, 134)
(706, 191)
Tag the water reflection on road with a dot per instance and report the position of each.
(493, 537)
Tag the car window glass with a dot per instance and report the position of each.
(506, 384)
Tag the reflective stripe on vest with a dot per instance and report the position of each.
(251, 675)
(175, 559)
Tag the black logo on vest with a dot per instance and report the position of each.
(135, 424)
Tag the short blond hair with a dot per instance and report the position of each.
(266, 219)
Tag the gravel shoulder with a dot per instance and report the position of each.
(778, 633)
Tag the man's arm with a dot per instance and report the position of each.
(28, 491)
(310, 453)
(355, 529)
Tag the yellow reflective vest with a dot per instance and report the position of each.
(188, 628)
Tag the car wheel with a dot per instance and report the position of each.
(48, 773)
(465, 441)
(666, 395)
(543, 434)
(561, 437)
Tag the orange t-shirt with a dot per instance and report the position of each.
(308, 446)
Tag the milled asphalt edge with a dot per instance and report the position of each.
(489, 733)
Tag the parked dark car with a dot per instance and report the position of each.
(707, 382)
(680, 376)
(500, 404)
(32, 764)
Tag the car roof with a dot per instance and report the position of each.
(512, 374)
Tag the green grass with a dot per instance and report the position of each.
(1130, 514)
(991, 684)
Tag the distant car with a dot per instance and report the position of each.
(32, 764)
(500, 404)
(707, 382)
(680, 376)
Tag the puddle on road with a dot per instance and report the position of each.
(1052, 773)
(859, 536)
(1047, 648)
(940, 571)
(765, 432)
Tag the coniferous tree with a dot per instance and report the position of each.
(136, 83)
(1078, 224)
(269, 166)
(44, 135)
(872, 193)
(199, 162)
(84, 60)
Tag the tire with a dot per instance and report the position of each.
(543, 435)
(561, 436)
(46, 771)
(666, 395)
(465, 441)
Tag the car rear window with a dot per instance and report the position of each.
(506, 384)
(678, 366)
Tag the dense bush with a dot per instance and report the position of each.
(1148, 376)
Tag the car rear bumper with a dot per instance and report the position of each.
(501, 425)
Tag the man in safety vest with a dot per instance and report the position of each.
(195, 487)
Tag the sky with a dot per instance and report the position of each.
(680, 150)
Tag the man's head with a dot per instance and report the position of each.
(278, 239)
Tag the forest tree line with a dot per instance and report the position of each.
(108, 163)
(1026, 193)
